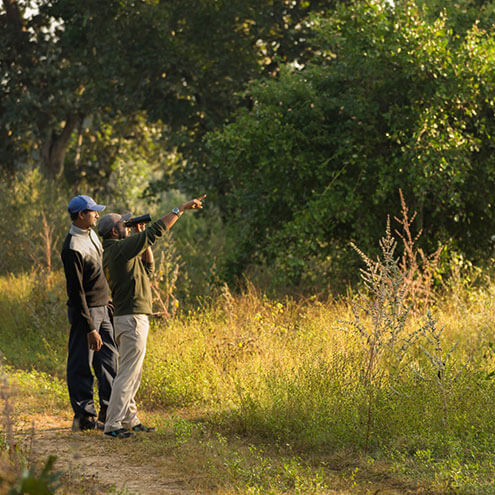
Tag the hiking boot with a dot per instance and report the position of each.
(141, 427)
(121, 433)
(83, 423)
(100, 421)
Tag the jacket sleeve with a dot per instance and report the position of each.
(132, 246)
(73, 266)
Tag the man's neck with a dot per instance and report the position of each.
(81, 226)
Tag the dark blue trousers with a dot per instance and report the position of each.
(80, 360)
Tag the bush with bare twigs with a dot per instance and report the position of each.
(418, 269)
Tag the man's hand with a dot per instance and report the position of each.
(94, 341)
(194, 204)
(139, 227)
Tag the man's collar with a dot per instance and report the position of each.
(78, 231)
(109, 240)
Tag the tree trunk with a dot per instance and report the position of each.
(14, 16)
(55, 146)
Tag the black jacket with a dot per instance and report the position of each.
(87, 286)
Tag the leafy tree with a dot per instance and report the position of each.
(36, 118)
(392, 100)
(461, 14)
(67, 63)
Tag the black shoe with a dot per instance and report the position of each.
(141, 427)
(102, 415)
(83, 423)
(122, 433)
(100, 420)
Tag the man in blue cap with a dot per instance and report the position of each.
(91, 340)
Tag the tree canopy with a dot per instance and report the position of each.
(68, 65)
(390, 100)
(300, 119)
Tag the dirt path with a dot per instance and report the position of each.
(95, 463)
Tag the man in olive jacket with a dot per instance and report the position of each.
(128, 264)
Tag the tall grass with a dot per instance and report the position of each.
(33, 321)
(288, 371)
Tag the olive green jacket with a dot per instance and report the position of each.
(128, 276)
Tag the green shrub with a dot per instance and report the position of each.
(392, 99)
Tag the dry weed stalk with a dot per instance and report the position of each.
(380, 315)
(8, 458)
(43, 245)
(442, 376)
(384, 301)
(385, 310)
(229, 304)
(417, 268)
(164, 282)
(49, 240)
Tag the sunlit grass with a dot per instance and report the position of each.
(290, 373)
(33, 321)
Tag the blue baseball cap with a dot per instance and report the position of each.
(80, 203)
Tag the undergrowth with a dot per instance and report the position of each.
(366, 374)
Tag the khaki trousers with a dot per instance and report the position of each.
(131, 332)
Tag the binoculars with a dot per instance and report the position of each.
(146, 218)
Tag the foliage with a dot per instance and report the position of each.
(358, 101)
(66, 64)
(392, 100)
(38, 210)
(117, 157)
(462, 14)
(32, 482)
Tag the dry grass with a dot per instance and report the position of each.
(247, 372)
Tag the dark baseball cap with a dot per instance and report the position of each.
(109, 221)
(80, 203)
